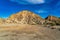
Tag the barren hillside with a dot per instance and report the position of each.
(24, 17)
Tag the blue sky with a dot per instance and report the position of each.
(40, 7)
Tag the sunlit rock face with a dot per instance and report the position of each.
(24, 17)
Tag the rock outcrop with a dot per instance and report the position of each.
(53, 20)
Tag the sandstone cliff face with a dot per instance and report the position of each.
(24, 17)
(52, 18)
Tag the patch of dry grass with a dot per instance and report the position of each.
(26, 28)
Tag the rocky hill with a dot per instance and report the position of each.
(54, 20)
(24, 17)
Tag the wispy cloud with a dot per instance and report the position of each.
(29, 1)
(40, 11)
(35, 1)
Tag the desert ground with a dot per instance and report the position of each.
(27, 32)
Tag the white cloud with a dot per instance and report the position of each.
(40, 11)
(29, 1)
(35, 1)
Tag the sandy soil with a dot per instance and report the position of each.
(27, 32)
